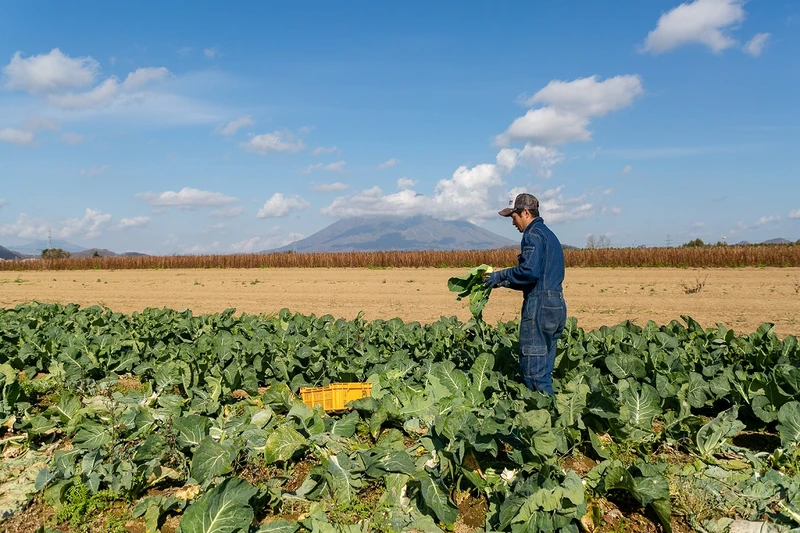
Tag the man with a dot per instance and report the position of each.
(539, 276)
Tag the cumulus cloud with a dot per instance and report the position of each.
(706, 22)
(626, 170)
(95, 171)
(280, 206)
(49, 72)
(101, 95)
(794, 214)
(465, 195)
(554, 207)
(277, 141)
(322, 150)
(541, 159)
(229, 212)
(328, 187)
(134, 222)
(756, 45)
(91, 225)
(70, 137)
(567, 108)
(388, 163)
(236, 124)
(15, 136)
(187, 198)
(405, 183)
(613, 211)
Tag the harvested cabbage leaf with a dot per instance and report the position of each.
(471, 284)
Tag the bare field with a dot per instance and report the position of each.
(741, 298)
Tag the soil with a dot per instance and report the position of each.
(740, 298)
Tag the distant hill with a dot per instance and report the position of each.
(389, 233)
(778, 241)
(102, 252)
(7, 254)
(36, 247)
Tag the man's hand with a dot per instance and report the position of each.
(493, 280)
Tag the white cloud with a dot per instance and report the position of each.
(465, 195)
(211, 53)
(756, 45)
(229, 212)
(100, 96)
(626, 169)
(187, 198)
(328, 187)
(541, 159)
(555, 208)
(200, 249)
(763, 221)
(236, 124)
(134, 222)
(15, 136)
(322, 150)
(70, 137)
(794, 214)
(280, 206)
(91, 225)
(405, 183)
(336, 167)
(49, 72)
(95, 171)
(567, 109)
(588, 97)
(277, 141)
(144, 76)
(706, 22)
(388, 163)
(613, 211)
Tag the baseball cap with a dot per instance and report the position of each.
(522, 201)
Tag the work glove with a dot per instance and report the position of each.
(494, 280)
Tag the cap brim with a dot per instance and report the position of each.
(505, 212)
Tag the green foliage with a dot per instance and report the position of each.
(214, 401)
(54, 253)
(471, 285)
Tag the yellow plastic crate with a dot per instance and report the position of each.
(334, 396)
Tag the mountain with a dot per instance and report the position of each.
(101, 252)
(777, 241)
(36, 247)
(7, 254)
(383, 233)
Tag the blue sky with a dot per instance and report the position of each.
(168, 127)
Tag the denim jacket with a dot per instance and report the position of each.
(541, 263)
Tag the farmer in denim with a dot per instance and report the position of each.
(539, 276)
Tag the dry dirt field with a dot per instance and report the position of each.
(741, 299)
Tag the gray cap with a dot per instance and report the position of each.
(522, 201)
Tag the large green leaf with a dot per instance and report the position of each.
(641, 403)
(712, 435)
(210, 459)
(435, 496)
(282, 444)
(190, 430)
(224, 509)
(789, 424)
(91, 436)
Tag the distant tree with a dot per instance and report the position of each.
(593, 243)
(96, 254)
(697, 243)
(54, 253)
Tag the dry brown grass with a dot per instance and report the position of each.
(714, 257)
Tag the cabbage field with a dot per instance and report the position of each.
(162, 420)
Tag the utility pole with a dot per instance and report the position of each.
(669, 241)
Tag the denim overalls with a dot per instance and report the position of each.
(539, 276)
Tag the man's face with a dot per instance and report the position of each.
(517, 220)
